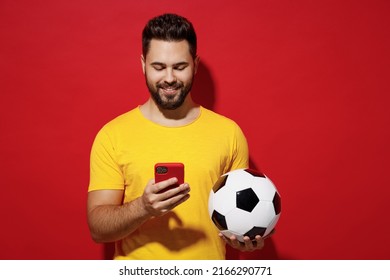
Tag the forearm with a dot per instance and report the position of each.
(108, 223)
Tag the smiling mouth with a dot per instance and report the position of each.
(170, 90)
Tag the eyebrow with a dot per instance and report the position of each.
(183, 63)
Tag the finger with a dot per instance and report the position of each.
(179, 192)
(225, 238)
(180, 201)
(167, 201)
(234, 242)
(259, 241)
(160, 186)
(183, 188)
(249, 246)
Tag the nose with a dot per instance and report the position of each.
(170, 77)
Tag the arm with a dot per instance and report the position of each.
(110, 220)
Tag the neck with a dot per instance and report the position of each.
(183, 115)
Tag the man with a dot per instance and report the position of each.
(149, 220)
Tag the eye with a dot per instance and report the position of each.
(180, 68)
(158, 68)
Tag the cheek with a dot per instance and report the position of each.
(153, 77)
(185, 76)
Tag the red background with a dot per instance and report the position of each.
(308, 81)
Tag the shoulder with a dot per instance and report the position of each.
(218, 119)
(121, 122)
(117, 126)
(124, 119)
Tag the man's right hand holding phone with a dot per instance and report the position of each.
(158, 202)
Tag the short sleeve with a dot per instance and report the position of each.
(105, 173)
(240, 153)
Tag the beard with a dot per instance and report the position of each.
(169, 102)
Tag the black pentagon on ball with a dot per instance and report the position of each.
(255, 231)
(246, 199)
(219, 220)
(277, 203)
(220, 183)
(255, 173)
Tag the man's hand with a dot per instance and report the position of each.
(248, 245)
(157, 201)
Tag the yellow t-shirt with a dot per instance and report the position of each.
(123, 157)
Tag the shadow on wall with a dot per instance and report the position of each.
(204, 93)
(203, 90)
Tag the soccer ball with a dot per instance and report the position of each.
(244, 202)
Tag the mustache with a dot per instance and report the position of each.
(173, 85)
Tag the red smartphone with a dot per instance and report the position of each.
(167, 170)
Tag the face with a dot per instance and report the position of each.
(169, 71)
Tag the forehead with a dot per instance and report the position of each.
(168, 51)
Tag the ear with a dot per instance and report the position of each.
(196, 63)
(143, 63)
